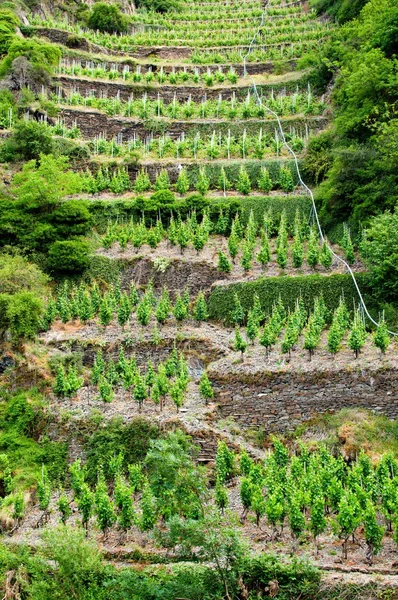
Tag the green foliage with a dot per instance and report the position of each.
(221, 300)
(200, 309)
(107, 18)
(362, 179)
(132, 440)
(8, 24)
(161, 6)
(21, 313)
(68, 256)
(243, 184)
(28, 140)
(205, 387)
(40, 54)
(379, 249)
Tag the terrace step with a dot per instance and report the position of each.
(172, 52)
(111, 89)
(267, 67)
(93, 123)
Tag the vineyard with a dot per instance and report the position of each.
(198, 352)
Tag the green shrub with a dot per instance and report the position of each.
(160, 6)
(296, 578)
(68, 256)
(24, 313)
(132, 440)
(107, 18)
(40, 54)
(28, 140)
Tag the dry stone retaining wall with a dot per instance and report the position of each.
(281, 401)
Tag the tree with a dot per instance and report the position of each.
(200, 310)
(326, 256)
(239, 344)
(233, 246)
(243, 184)
(180, 310)
(264, 182)
(223, 182)
(85, 503)
(317, 518)
(163, 308)
(252, 326)
(223, 263)
(264, 255)
(247, 256)
(296, 517)
(64, 508)
(104, 508)
(162, 181)
(202, 182)
(142, 182)
(182, 184)
(124, 502)
(381, 337)
(347, 518)
(224, 463)
(357, 335)
(238, 314)
(98, 369)
(105, 390)
(149, 515)
(140, 391)
(107, 18)
(124, 310)
(144, 312)
(205, 387)
(286, 180)
(31, 139)
(19, 508)
(297, 251)
(258, 503)
(61, 382)
(246, 491)
(221, 497)
(313, 249)
(268, 338)
(373, 532)
(105, 311)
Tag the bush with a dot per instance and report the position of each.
(24, 312)
(17, 274)
(379, 250)
(28, 141)
(8, 24)
(132, 439)
(71, 218)
(107, 18)
(69, 256)
(296, 578)
(160, 6)
(38, 53)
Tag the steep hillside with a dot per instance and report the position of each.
(198, 372)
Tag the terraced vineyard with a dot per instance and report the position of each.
(171, 304)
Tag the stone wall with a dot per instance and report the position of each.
(281, 401)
